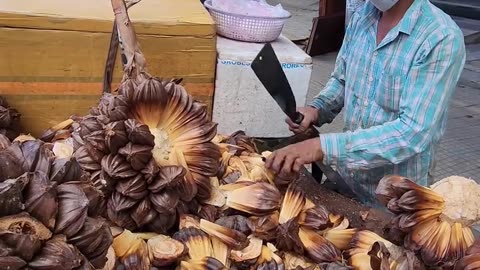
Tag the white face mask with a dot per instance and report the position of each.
(383, 5)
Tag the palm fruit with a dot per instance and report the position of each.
(197, 242)
(252, 251)
(288, 230)
(45, 222)
(149, 147)
(132, 251)
(264, 227)
(437, 220)
(232, 238)
(9, 120)
(205, 252)
(471, 261)
(370, 251)
(235, 222)
(207, 263)
(256, 198)
(268, 259)
(240, 160)
(146, 249)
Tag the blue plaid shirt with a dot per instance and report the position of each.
(395, 96)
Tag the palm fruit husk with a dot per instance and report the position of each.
(57, 254)
(72, 208)
(12, 262)
(288, 230)
(238, 161)
(198, 243)
(64, 166)
(317, 247)
(4, 142)
(41, 199)
(93, 240)
(264, 227)
(269, 260)
(259, 198)
(22, 245)
(370, 251)
(187, 221)
(340, 238)
(314, 216)
(232, 238)
(437, 220)
(338, 232)
(240, 139)
(217, 197)
(22, 235)
(53, 133)
(111, 259)
(294, 261)
(235, 222)
(9, 120)
(221, 251)
(11, 195)
(207, 263)
(472, 258)
(250, 252)
(209, 212)
(164, 251)
(131, 250)
(55, 211)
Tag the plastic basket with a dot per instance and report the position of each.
(246, 28)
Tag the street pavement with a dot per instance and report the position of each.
(459, 150)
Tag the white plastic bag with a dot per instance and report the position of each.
(259, 8)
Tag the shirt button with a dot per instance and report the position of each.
(351, 174)
(375, 53)
(370, 79)
(365, 103)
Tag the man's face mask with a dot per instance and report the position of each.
(383, 5)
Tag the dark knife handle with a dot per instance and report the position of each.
(298, 118)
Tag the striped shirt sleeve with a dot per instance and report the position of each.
(424, 100)
(330, 100)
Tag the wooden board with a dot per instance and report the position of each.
(360, 216)
(331, 7)
(327, 34)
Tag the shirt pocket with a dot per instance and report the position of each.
(389, 92)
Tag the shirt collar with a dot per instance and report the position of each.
(409, 20)
(406, 24)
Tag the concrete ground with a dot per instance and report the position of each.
(459, 150)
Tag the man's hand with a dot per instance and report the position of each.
(310, 117)
(290, 159)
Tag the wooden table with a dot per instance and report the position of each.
(359, 215)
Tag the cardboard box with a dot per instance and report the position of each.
(53, 52)
(241, 101)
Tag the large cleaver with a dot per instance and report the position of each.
(269, 71)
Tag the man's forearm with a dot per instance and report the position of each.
(326, 111)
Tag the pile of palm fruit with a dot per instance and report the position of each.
(145, 182)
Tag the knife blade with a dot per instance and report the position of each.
(269, 71)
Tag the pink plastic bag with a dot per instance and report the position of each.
(259, 8)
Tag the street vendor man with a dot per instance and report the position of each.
(394, 78)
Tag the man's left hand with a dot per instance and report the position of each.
(290, 159)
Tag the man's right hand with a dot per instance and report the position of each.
(310, 117)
